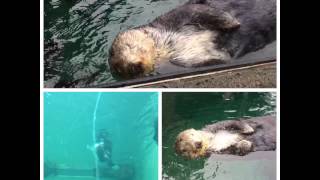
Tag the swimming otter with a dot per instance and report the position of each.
(229, 137)
(198, 33)
(103, 148)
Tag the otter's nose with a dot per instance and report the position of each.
(135, 69)
(198, 145)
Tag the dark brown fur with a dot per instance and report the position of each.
(263, 137)
(236, 27)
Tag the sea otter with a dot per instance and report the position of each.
(238, 137)
(198, 33)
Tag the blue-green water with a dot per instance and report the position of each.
(195, 110)
(84, 30)
(72, 119)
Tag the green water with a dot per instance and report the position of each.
(195, 110)
(129, 118)
(85, 30)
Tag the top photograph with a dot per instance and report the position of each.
(160, 43)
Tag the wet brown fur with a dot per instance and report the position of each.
(228, 137)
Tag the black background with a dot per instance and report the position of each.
(20, 85)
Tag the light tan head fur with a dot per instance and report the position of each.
(133, 53)
(192, 143)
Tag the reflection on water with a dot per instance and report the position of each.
(195, 110)
(80, 32)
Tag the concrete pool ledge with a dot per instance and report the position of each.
(243, 74)
(254, 76)
(258, 165)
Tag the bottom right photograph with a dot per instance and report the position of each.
(216, 135)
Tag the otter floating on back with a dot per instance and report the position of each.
(229, 137)
(198, 33)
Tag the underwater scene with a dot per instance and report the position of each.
(181, 111)
(101, 136)
(79, 33)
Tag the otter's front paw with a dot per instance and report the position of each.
(243, 147)
(247, 129)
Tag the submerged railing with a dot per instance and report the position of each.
(94, 135)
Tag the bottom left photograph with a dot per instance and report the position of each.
(100, 135)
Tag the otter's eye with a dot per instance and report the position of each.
(198, 145)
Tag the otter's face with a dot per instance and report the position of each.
(132, 54)
(191, 143)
